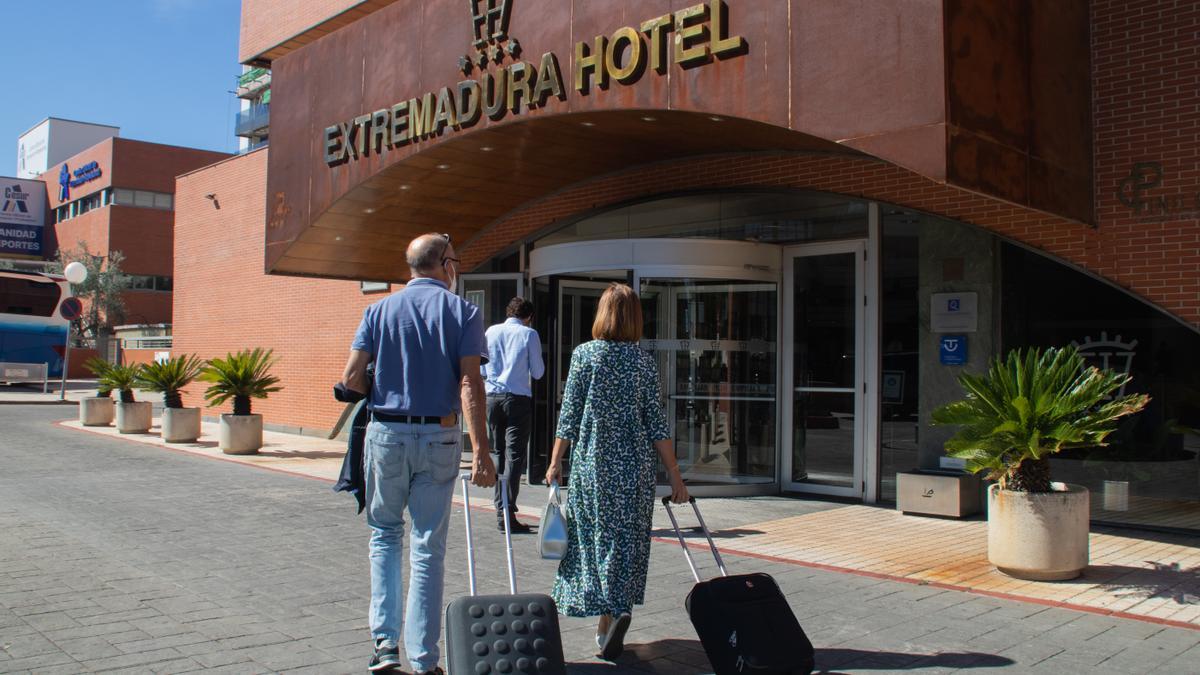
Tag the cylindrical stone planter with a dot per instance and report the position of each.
(1041, 536)
(241, 434)
(180, 425)
(96, 412)
(134, 418)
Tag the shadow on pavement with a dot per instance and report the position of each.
(1168, 581)
(686, 657)
(302, 454)
(728, 533)
(828, 660)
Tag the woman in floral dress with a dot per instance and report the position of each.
(612, 421)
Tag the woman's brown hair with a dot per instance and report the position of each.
(619, 316)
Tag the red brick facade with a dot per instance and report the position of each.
(224, 302)
(1146, 89)
(144, 236)
(272, 23)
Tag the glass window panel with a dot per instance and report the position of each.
(825, 311)
(900, 343)
(491, 296)
(123, 197)
(823, 438)
(162, 200)
(143, 198)
(715, 343)
(769, 217)
(1149, 473)
(27, 297)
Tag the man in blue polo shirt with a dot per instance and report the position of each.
(427, 345)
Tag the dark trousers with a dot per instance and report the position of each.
(509, 420)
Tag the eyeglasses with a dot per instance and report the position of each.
(446, 258)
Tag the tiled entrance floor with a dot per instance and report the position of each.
(1133, 574)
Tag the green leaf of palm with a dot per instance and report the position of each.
(171, 375)
(246, 373)
(1031, 404)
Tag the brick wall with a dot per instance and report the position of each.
(101, 153)
(1146, 88)
(153, 166)
(224, 302)
(267, 23)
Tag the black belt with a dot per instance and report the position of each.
(406, 419)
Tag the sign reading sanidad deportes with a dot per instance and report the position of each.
(689, 37)
(22, 216)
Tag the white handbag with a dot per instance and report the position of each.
(552, 531)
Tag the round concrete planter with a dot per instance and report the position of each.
(133, 418)
(1041, 536)
(180, 425)
(240, 434)
(96, 412)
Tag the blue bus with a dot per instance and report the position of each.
(32, 329)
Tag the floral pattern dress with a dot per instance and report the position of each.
(612, 416)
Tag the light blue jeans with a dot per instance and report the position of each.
(413, 466)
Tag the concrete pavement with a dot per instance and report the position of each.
(121, 556)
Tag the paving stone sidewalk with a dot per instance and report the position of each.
(118, 556)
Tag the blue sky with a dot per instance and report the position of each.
(159, 69)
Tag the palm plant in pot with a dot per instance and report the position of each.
(1026, 408)
(133, 417)
(241, 377)
(179, 424)
(98, 410)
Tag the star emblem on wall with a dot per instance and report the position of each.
(465, 65)
(514, 48)
(496, 53)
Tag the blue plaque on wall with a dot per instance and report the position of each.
(953, 350)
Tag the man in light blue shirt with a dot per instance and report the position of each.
(514, 358)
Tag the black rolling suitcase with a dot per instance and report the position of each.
(502, 634)
(743, 621)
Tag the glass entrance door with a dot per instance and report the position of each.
(711, 321)
(824, 301)
(715, 344)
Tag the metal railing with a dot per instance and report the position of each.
(156, 342)
(253, 81)
(249, 122)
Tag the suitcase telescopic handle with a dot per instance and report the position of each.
(712, 545)
(512, 572)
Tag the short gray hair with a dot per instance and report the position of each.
(425, 252)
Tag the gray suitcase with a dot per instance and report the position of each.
(514, 633)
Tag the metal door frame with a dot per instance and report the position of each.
(560, 376)
(864, 481)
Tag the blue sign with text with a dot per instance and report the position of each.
(953, 350)
(68, 179)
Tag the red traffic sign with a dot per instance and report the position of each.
(70, 309)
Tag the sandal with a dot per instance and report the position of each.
(614, 642)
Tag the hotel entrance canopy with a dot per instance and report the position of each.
(446, 115)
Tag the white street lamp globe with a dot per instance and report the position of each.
(75, 272)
